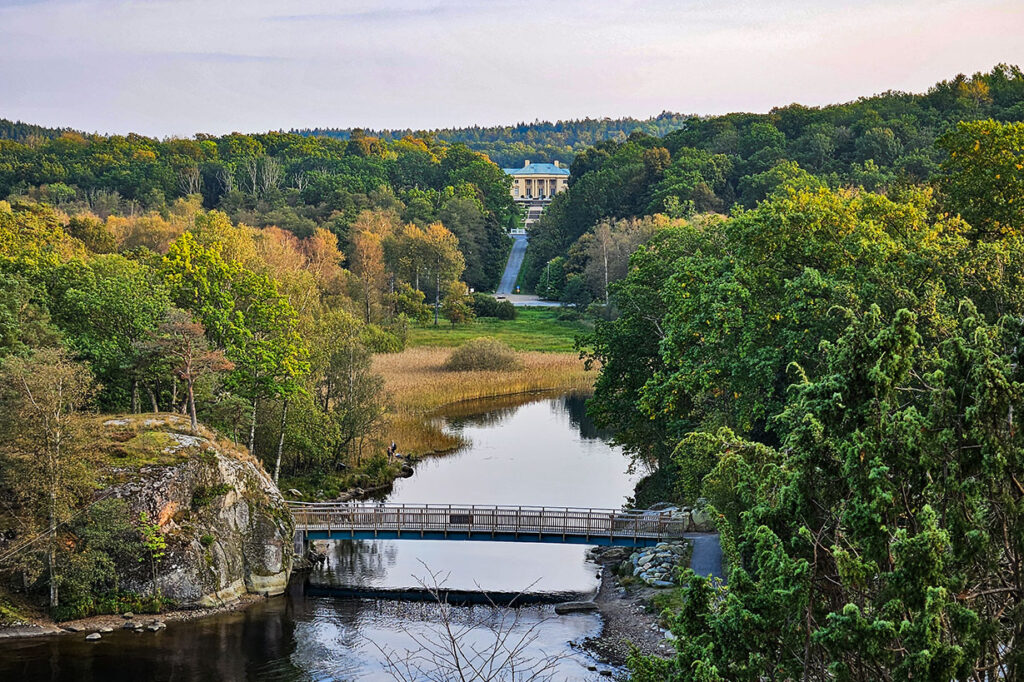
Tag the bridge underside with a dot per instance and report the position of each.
(483, 536)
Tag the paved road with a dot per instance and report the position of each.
(515, 261)
(707, 555)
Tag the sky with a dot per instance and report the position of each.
(177, 67)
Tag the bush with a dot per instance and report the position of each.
(383, 340)
(569, 315)
(483, 354)
(488, 306)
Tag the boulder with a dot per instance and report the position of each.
(93, 636)
(227, 527)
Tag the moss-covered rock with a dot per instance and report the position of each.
(227, 528)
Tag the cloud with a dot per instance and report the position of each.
(181, 66)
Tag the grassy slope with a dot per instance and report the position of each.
(534, 329)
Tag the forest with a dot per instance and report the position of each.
(832, 369)
(295, 183)
(722, 165)
(510, 146)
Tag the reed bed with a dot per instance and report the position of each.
(420, 388)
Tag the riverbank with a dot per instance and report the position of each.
(627, 621)
(39, 626)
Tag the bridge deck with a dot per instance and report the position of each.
(492, 523)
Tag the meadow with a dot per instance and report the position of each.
(534, 329)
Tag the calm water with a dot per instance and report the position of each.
(543, 452)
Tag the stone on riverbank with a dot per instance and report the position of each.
(575, 607)
(657, 565)
(93, 636)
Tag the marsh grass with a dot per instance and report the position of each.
(420, 387)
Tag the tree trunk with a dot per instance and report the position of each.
(606, 275)
(437, 294)
(192, 407)
(135, 396)
(280, 443)
(52, 558)
(152, 399)
(252, 429)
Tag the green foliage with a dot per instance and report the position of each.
(837, 374)
(294, 182)
(484, 305)
(204, 495)
(483, 354)
(982, 178)
(509, 146)
(155, 545)
(883, 143)
(104, 542)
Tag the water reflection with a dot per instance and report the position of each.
(523, 451)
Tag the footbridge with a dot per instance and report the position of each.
(323, 521)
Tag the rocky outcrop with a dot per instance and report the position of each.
(227, 528)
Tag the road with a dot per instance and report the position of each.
(515, 261)
(707, 554)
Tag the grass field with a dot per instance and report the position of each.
(534, 329)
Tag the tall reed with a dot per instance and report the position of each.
(420, 387)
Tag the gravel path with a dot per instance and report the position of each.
(626, 621)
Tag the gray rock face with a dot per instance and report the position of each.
(227, 528)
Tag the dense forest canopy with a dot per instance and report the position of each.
(822, 350)
(718, 164)
(509, 146)
(289, 181)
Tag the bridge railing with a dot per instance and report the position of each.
(489, 519)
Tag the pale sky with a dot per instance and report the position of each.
(177, 67)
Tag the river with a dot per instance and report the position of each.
(538, 451)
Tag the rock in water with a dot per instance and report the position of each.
(93, 636)
(575, 607)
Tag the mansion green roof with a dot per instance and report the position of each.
(538, 169)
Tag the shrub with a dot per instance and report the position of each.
(384, 339)
(483, 354)
(487, 306)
